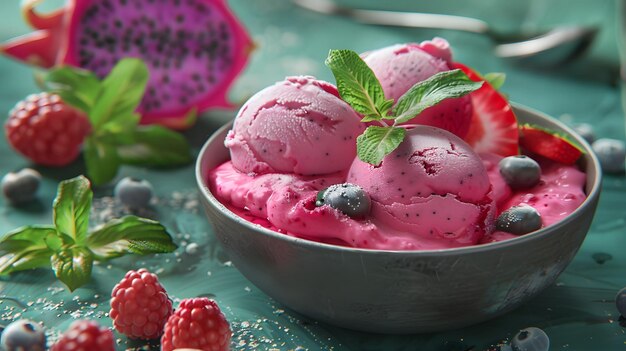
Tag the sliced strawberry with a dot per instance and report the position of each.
(548, 144)
(494, 126)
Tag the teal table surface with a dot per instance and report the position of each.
(578, 312)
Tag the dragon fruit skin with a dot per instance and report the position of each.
(59, 39)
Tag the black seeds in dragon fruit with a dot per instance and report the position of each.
(186, 44)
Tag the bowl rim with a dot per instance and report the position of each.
(592, 195)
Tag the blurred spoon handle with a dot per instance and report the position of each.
(398, 19)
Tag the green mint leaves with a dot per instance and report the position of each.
(358, 85)
(360, 88)
(377, 142)
(68, 246)
(116, 137)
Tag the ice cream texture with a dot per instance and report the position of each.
(296, 138)
(399, 67)
(299, 125)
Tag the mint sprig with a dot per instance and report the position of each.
(495, 79)
(358, 85)
(116, 137)
(69, 247)
(360, 88)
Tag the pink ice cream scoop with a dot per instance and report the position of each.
(433, 185)
(399, 67)
(299, 125)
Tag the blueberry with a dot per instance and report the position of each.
(611, 154)
(519, 220)
(133, 193)
(23, 335)
(348, 198)
(586, 131)
(531, 339)
(520, 171)
(21, 187)
(620, 301)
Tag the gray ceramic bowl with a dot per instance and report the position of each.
(400, 291)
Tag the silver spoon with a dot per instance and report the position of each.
(556, 46)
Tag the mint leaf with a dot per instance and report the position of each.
(377, 142)
(429, 92)
(120, 123)
(23, 238)
(153, 146)
(357, 84)
(101, 160)
(121, 92)
(71, 208)
(495, 79)
(130, 234)
(73, 266)
(26, 248)
(25, 260)
(77, 87)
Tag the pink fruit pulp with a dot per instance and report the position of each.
(55, 43)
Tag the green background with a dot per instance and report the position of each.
(578, 312)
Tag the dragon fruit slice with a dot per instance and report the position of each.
(194, 49)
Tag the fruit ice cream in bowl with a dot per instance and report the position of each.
(406, 189)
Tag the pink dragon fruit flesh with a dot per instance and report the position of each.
(194, 49)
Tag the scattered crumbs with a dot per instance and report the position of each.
(247, 289)
(55, 290)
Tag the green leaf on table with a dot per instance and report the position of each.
(130, 234)
(73, 266)
(101, 160)
(71, 208)
(26, 248)
(77, 87)
(153, 146)
(429, 92)
(495, 79)
(24, 238)
(377, 142)
(120, 123)
(25, 260)
(121, 92)
(357, 85)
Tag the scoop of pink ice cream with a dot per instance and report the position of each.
(299, 125)
(399, 67)
(433, 185)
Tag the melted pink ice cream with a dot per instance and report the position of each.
(560, 191)
(399, 67)
(299, 125)
(286, 204)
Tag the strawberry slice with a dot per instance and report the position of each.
(548, 144)
(494, 126)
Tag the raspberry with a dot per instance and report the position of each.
(46, 130)
(140, 305)
(199, 324)
(85, 335)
